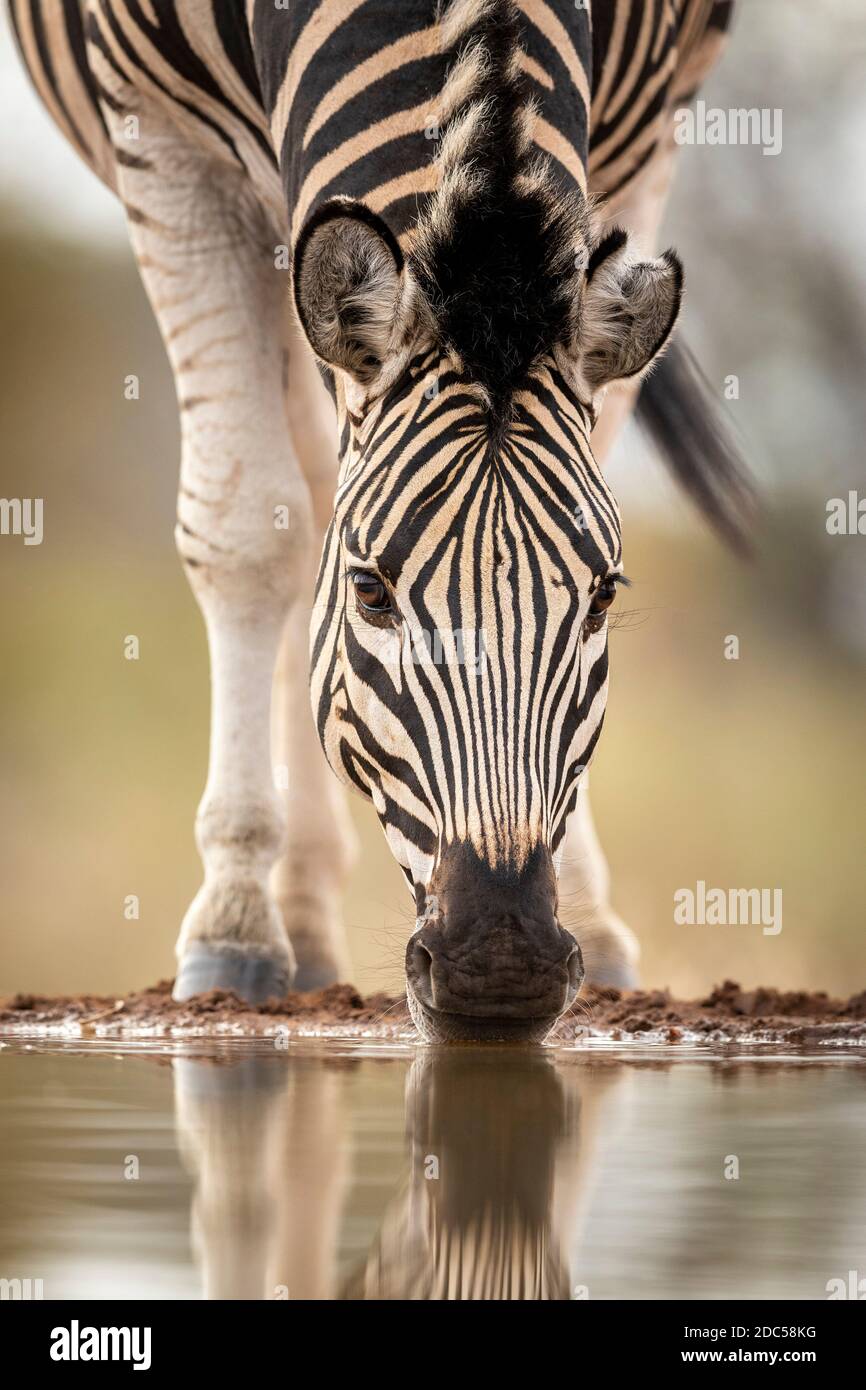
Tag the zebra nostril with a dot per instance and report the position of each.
(420, 965)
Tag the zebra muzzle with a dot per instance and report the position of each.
(494, 961)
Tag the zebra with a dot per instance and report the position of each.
(458, 191)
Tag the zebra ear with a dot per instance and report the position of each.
(628, 312)
(349, 283)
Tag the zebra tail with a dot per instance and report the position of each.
(677, 409)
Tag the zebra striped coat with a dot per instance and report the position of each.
(429, 168)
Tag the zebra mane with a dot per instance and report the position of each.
(500, 248)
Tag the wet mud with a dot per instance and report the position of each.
(727, 1014)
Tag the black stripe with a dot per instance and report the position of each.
(78, 48)
(50, 76)
(231, 25)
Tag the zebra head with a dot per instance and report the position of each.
(459, 635)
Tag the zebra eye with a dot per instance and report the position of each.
(601, 601)
(370, 591)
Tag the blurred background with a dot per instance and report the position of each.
(745, 773)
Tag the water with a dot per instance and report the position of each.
(353, 1170)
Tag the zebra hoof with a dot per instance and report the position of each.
(253, 978)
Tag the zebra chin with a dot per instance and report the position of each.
(489, 961)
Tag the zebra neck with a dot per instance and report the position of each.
(353, 92)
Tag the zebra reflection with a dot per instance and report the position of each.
(501, 1147)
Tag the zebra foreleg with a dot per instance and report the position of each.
(206, 254)
(310, 877)
(609, 948)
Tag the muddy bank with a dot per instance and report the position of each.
(727, 1014)
(338, 1010)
